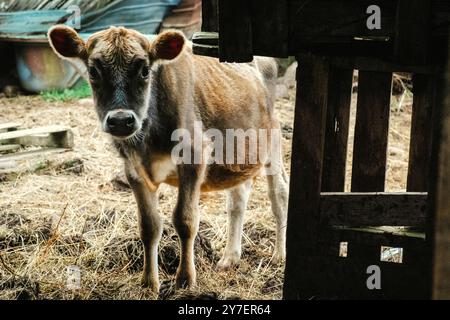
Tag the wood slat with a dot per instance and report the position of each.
(30, 154)
(381, 236)
(33, 131)
(382, 64)
(374, 209)
(9, 126)
(29, 25)
(338, 117)
(9, 147)
(50, 136)
(306, 167)
(371, 131)
(424, 88)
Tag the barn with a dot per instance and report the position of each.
(365, 116)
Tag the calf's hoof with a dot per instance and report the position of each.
(278, 257)
(228, 262)
(185, 279)
(147, 282)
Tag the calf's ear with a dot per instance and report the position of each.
(66, 42)
(168, 45)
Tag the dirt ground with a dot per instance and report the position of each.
(67, 210)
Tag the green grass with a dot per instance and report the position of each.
(81, 91)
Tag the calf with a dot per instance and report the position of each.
(144, 91)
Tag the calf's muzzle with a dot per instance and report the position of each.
(121, 123)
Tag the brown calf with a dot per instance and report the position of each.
(144, 91)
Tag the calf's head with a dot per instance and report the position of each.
(119, 62)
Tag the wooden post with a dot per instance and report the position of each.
(440, 190)
(235, 31)
(271, 35)
(371, 131)
(306, 167)
(411, 31)
(210, 19)
(338, 117)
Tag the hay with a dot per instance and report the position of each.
(67, 211)
(70, 212)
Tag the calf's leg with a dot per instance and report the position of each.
(186, 220)
(278, 187)
(150, 226)
(237, 199)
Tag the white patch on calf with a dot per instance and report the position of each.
(162, 169)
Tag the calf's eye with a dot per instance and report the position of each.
(93, 72)
(145, 72)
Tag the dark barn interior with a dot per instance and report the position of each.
(330, 39)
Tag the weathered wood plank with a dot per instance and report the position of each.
(33, 131)
(8, 166)
(29, 24)
(338, 117)
(381, 64)
(9, 147)
(306, 167)
(235, 31)
(50, 136)
(424, 88)
(205, 50)
(30, 154)
(373, 209)
(9, 126)
(371, 131)
(412, 28)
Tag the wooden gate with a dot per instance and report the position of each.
(331, 39)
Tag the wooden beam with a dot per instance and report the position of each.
(50, 136)
(9, 126)
(306, 167)
(9, 147)
(30, 154)
(328, 27)
(373, 209)
(382, 64)
(371, 131)
(338, 117)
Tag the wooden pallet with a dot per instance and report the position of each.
(45, 140)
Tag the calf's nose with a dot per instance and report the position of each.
(121, 123)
